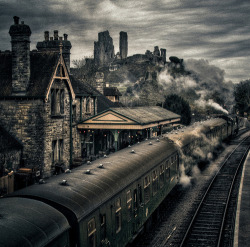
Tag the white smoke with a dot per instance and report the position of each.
(201, 85)
(203, 104)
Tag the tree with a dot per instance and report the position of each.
(79, 63)
(179, 106)
(242, 97)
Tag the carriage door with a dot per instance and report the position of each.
(135, 197)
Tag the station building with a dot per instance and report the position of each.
(116, 128)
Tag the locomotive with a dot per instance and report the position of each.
(108, 201)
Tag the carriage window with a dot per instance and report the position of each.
(167, 170)
(103, 226)
(129, 204)
(92, 233)
(146, 189)
(139, 194)
(155, 182)
(161, 175)
(118, 216)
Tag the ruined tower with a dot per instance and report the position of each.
(156, 51)
(20, 42)
(164, 55)
(53, 44)
(123, 45)
(104, 49)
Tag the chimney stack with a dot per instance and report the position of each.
(56, 35)
(16, 20)
(46, 35)
(53, 44)
(20, 42)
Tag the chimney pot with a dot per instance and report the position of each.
(16, 19)
(46, 35)
(55, 34)
(65, 36)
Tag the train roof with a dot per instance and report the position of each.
(22, 222)
(84, 192)
(185, 135)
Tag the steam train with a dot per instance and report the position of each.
(108, 201)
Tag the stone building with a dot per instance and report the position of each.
(40, 102)
(112, 93)
(104, 49)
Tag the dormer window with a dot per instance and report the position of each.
(57, 102)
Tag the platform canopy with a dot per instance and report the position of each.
(137, 118)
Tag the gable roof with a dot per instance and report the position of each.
(146, 114)
(42, 68)
(130, 118)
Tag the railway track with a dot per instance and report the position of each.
(179, 207)
(207, 227)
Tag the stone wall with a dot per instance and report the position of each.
(31, 122)
(24, 120)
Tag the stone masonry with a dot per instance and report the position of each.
(104, 49)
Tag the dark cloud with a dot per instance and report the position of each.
(213, 30)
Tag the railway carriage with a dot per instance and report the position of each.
(107, 202)
(27, 222)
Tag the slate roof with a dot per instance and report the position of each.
(7, 141)
(81, 88)
(111, 91)
(146, 114)
(5, 73)
(42, 66)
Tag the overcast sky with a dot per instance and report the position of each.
(215, 30)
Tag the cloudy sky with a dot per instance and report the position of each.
(214, 30)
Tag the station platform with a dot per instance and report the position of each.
(242, 223)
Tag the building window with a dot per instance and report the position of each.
(57, 151)
(62, 101)
(129, 205)
(147, 189)
(88, 105)
(118, 216)
(92, 233)
(73, 113)
(57, 101)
